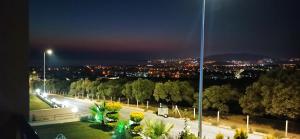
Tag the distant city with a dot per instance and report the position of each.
(181, 68)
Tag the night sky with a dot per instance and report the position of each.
(130, 31)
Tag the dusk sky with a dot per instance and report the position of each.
(131, 31)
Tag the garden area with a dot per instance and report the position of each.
(74, 130)
(36, 104)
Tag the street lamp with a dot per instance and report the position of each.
(201, 72)
(49, 52)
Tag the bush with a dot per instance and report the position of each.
(185, 135)
(136, 116)
(240, 134)
(269, 137)
(113, 106)
(88, 118)
(137, 129)
(112, 115)
(278, 135)
(233, 126)
(219, 136)
(261, 131)
(215, 123)
(111, 125)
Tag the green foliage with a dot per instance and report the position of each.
(159, 92)
(127, 90)
(218, 97)
(186, 91)
(112, 115)
(261, 131)
(98, 112)
(121, 131)
(157, 129)
(276, 93)
(269, 137)
(174, 92)
(186, 134)
(219, 136)
(142, 89)
(137, 129)
(240, 134)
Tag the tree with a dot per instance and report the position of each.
(251, 102)
(172, 89)
(142, 89)
(276, 93)
(219, 97)
(186, 91)
(159, 92)
(127, 91)
(101, 90)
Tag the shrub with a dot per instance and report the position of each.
(261, 131)
(269, 137)
(137, 129)
(186, 134)
(215, 123)
(111, 125)
(233, 126)
(112, 115)
(88, 118)
(136, 116)
(113, 106)
(278, 135)
(240, 134)
(121, 131)
(219, 136)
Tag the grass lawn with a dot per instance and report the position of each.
(74, 130)
(37, 104)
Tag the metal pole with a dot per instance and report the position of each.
(286, 127)
(247, 123)
(137, 103)
(44, 72)
(201, 72)
(147, 104)
(128, 102)
(194, 112)
(218, 117)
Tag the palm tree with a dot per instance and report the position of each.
(156, 129)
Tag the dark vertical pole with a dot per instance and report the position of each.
(201, 71)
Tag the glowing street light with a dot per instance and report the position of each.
(49, 52)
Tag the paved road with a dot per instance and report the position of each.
(209, 131)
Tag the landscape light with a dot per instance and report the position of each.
(74, 109)
(53, 100)
(38, 90)
(44, 95)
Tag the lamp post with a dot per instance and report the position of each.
(201, 72)
(49, 52)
